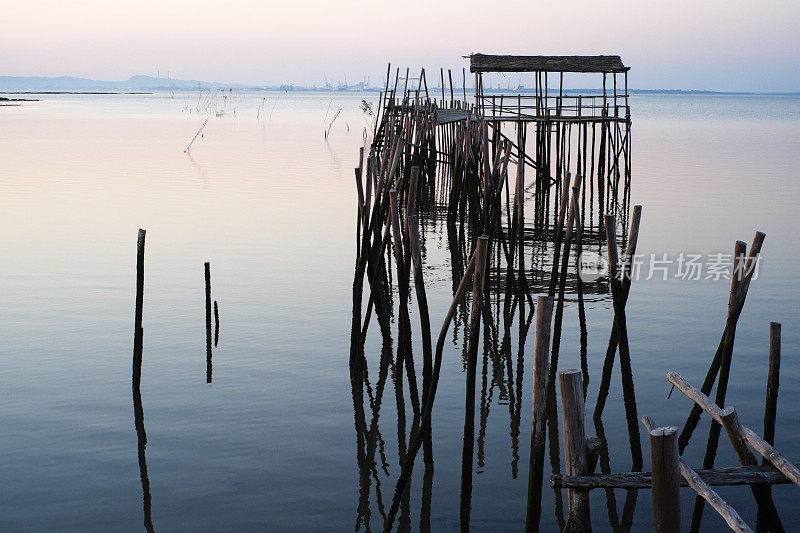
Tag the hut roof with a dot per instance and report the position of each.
(503, 63)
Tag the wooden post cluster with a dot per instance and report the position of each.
(454, 156)
(458, 153)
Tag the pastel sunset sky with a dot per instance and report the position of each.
(709, 44)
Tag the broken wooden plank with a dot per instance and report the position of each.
(739, 475)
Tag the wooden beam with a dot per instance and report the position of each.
(739, 475)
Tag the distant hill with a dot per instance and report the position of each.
(134, 83)
(21, 84)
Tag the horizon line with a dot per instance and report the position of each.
(337, 86)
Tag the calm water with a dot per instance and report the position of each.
(270, 444)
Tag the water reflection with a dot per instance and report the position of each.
(50, 154)
(629, 507)
(216, 324)
(141, 437)
(369, 441)
(519, 266)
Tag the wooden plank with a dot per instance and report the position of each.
(724, 509)
(739, 475)
(553, 120)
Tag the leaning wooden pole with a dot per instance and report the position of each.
(422, 301)
(736, 301)
(404, 357)
(613, 341)
(562, 211)
(620, 321)
(740, 250)
(584, 339)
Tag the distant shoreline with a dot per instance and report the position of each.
(140, 84)
(677, 92)
(68, 92)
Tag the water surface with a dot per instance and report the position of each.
(270, 203)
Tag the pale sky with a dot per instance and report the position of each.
(701, 44)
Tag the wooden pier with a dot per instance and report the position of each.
(523, 183)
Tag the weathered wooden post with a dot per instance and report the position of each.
(771, 408)
(138, 332)
(208, 321)
(773, 379)
(136, 378)
(541, 350)
(702, 488)
(573, 414)
(666, 480)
